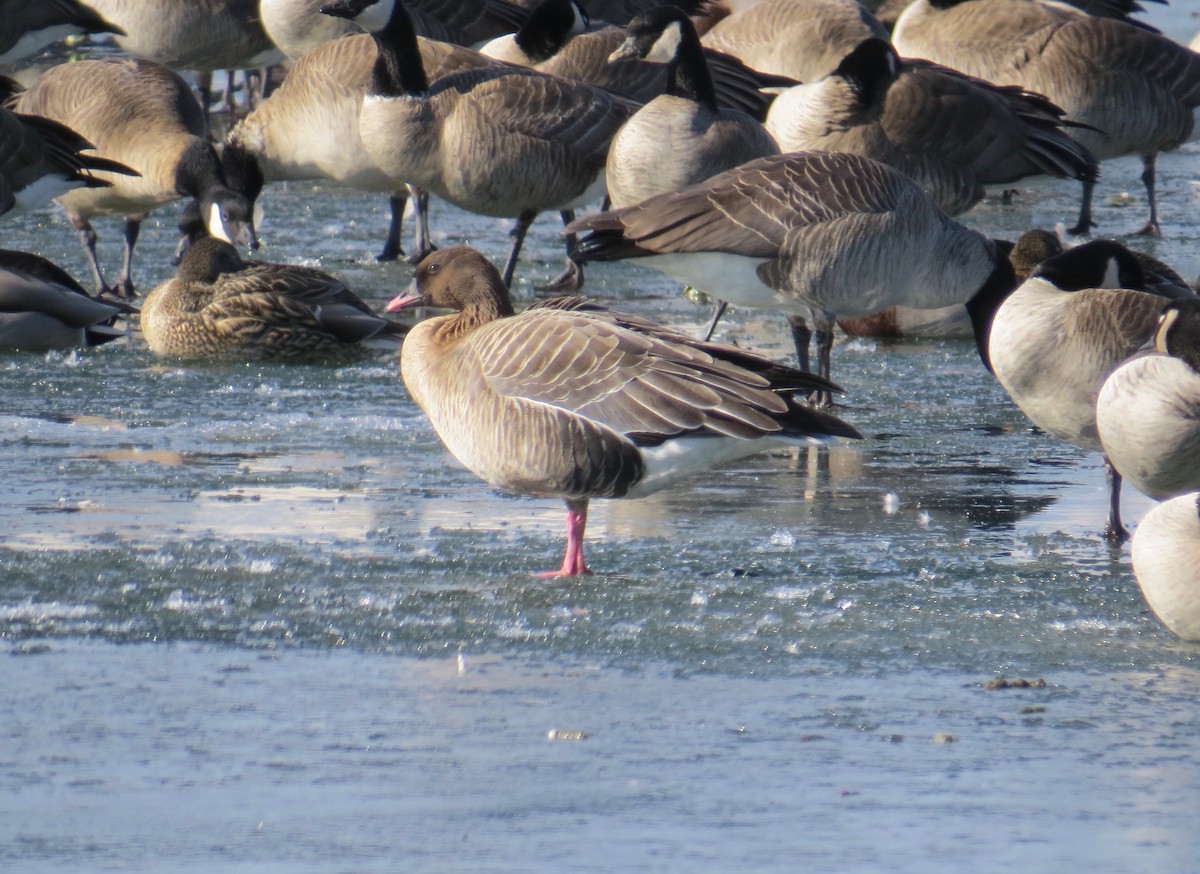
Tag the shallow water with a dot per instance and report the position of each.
(257, 620)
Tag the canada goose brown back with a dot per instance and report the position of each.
(145, 116)
(803, 39)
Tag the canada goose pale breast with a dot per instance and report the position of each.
(574, 402)
(1166, 563)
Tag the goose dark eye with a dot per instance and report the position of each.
(432, 268)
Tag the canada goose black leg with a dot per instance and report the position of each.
(571, 278)
(824, 338)
(87, 236)
(1114, 530)
(422, 239)
(517, 235)
(801, 336)
(124, 286)
(1149, 171)
(1085, 224)
(719, 307)
(391, 246)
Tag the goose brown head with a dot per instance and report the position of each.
(457, 278)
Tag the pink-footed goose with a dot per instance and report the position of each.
(1134, 90)
(506, 143)
(571, 400)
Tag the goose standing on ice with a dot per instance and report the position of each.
(1135, 90)
(809, 234)
(571, 400)
(1053, 341)
(1148, 411)
(1166, 562)
(145, 116)
(506, 143)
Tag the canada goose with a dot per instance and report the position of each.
(298, 27)
(557, 40)
(1053, 341)
(575, 401)
(309, 128)
(809, 234)
(143, 115)
(218, 306)
(41, 159)
(1148, 410)
(803, 39)
(1166, 563)
(508, 143)
(42, 307)
(952, 133)
(1134, 91)
(26, 28)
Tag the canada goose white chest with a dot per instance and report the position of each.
(1166, 562)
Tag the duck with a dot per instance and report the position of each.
(1148, 410)
(41, 159)
(145, 116)
(309, 128)
(571, 400)
(221, 307)
(559, 39)
(810, 234)
(801, 39)
(505, 143)
(953, 133)
(1166, 563)
(27, 28)
(1128, 89)
(297, 26)
(42, 307)
(1053, 341)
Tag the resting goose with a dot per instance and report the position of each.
(27, 27)
(802, 39)
(218, 306)
(42, 307)
(952, 133)
(1148, 410)
(145, 116)
(309, 128)
(41, 159)
(1166, 562)
(507, 143)
(574, 401)
(1053, 341)
(810, 234)
(557, 40)
(298, 27)
(1135, 91)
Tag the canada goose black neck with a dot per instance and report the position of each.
(198, 170)
(1178, 332)
(982, 307)
(242, 170)
(1094, 264)
(547, 29)
(398, 70)
(869, 69)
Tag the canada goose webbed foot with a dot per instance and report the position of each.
(391, 252)
(569, 280)
(1150, 229)
(1116, 534)
(1083, 229)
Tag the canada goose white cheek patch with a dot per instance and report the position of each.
(216, 224)
(375, 16)
(666, 45)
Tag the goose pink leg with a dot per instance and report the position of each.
(573, 565)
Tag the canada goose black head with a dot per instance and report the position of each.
(870, 69)
(549, 27)
(371, 15)
(1178, 332)
(1094, 264)
(226, 213)
(666, 34)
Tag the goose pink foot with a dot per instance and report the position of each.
(573, 564)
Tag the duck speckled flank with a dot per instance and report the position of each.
(42, 307)
(1148, 411)
(220, 307)
(145, 116)
(568, 399)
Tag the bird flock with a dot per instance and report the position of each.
(805, 157)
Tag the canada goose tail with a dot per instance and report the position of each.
(803, 421)
(606, 244)
(95, 162)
